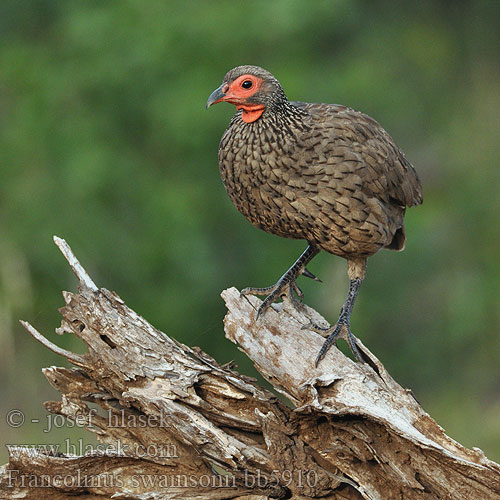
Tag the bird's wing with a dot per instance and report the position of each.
(345, 136)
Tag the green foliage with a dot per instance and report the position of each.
(105, 141)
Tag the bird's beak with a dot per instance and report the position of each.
(216, 96)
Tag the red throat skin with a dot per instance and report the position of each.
(251, 112)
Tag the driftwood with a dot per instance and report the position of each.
(176, 424)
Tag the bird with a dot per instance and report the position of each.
(323, 173)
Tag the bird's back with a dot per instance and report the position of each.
(385, 169)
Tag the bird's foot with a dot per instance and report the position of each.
(286, 286)
(341, 329)
(283, 288)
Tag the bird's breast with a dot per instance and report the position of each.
(248, 153)
(254, 163)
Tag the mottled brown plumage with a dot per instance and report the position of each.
(323, 173)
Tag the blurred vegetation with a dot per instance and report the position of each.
(105, 141)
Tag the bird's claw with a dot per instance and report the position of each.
(260, 312)
(314, 327)
(264, 306)
(257, 291)
(309, 274)
(342, 329)
(298, 291)
(280, 289)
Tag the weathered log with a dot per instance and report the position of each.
(176, 424)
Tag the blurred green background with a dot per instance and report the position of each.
(105, 141)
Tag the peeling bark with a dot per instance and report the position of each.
(179, 425)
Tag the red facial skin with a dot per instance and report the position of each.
(237, 95)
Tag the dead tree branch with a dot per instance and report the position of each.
(179, 425)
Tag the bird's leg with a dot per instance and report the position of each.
(356, 270)
(286, 285)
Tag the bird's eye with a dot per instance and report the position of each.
(247, 84)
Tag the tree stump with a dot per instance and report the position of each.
(176, 424)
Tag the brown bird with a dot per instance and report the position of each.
(324, 173)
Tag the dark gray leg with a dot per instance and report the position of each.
(343, 326)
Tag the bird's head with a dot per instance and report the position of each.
(251, 89)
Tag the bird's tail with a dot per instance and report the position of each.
(398, 240)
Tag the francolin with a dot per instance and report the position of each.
(323, 173)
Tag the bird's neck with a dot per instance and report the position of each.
(284, 115)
